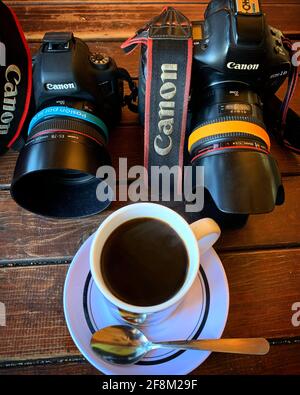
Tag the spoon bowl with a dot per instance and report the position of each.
(120, 344)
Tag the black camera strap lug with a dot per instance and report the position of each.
(129, 100)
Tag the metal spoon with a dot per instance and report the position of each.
(125, 345)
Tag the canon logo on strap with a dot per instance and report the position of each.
(13, 79)
(163, 141)
(242, 66)
(63, 86)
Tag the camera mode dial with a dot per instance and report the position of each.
(100, 61)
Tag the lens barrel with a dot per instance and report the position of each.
(229, 139)
(55, 174)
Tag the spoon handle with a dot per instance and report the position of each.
(253, 346)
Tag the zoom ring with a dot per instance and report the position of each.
(196, 141)
(220, 137)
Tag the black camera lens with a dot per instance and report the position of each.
(230, 141)
(55, 174)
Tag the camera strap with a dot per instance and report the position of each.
(289, 121)
(168, 42)
(129, 100)
(285, 127)
(15, 78)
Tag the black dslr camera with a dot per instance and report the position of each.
(238, 63)
(78, 97)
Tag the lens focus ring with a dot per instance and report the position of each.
(68, 125)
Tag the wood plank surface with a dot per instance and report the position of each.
(36, 328)
(281, 360)
(280, 228)
(103, 21)
(27, 236)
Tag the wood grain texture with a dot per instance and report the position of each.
(267, 230)
(102, 21)
(34, 313)
(39, 237)
(263, 287)
(27, 236)
(281, 360)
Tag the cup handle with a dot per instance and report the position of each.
(207, 232)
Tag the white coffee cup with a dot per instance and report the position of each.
(197, 237)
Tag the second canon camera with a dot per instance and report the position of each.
(239, 62)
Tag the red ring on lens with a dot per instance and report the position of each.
(48, 131)
(207, 151)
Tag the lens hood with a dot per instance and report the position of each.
(58, 178)
(242, 182)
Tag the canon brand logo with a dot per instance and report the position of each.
(13, 79)
(58, 87)
(242, 66)
(163, 141)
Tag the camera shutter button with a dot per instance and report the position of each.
(100, 61)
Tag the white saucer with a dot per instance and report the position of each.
(202, 314)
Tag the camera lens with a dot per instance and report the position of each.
(230, 141)
(56, 170)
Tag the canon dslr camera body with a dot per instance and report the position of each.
(78, 97)
(239, 63)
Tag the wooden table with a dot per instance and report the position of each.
(261, 260)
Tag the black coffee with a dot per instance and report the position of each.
(144, 262)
